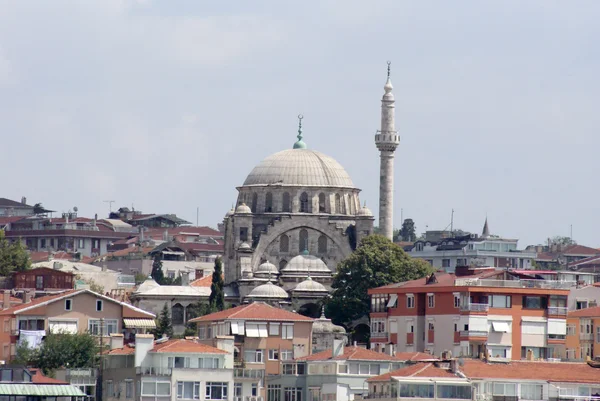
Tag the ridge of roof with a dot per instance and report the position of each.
(353, 353)
(254, 311)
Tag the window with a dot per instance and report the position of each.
(286, 204)
(342, 368)
(500, 301)
(532, 392)
(237, 389)
(208, 363)
(188, 390)
(80, 243)
(110, 389)
(456, 300)
(202, 332)
(322, 207)
(39, 282)
(304, 203)
(338, 208)
(110, 326)
(430, 300)
(293, 369)
(98, 305)
(254, 202)
(292, 394)
(253, 355)
(286, 354)
(322, 244)
(378, 326)
(410, 301)
(445, 262)
(365, 368)
(414, 390)
(530, 302)
(177, 314)
(178, 362)
(303, 243)
(254, 390)
(269, 202)
(314, 394)
(43, 243)
(95, 243)
(582, 304)
(287, 331)
(128, 389)
(498, 351)
(274, 392)
(273, 329)
(68, 304)
(216, 391)
(449, 391)
(6, 375)
(570, 353)
(243, 234)
(273, 354)
(505, 389)
(461, 262)
(284, 243)
(430, 326)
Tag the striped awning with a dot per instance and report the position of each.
(44, 390)
(139, 323)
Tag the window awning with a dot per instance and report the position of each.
(234, 328)
(252, 330)
(139, 323)
(43, 390)
(500, 327)
(392, 302)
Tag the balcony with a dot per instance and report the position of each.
(482, 308)
(379, 334)
(557, 311)
(153, 371)
(586, 336)
(468, 334)
(252, 374)
(541, 284)
(82, 376)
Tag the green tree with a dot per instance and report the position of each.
(25, 355)
(157, 272)
(407, 233)
(163, 324)
(13, 256)
(38, 209)
(217, 294)
(193, 311)
(560, 240)
(376, 262)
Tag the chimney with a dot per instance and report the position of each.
(23, 200)
(338, 348)
(185, 279)
(6, 300)
(26, 297)
(454, 366)
(143, 344)
(56, 265)
(390, 349)
(104, 267)
(116, 340)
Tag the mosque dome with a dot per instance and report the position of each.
(231, 212)
(365, 211)
(309, 285)
(267, 268)
(243, 209)
(268, 290)
(299, 167)
(306, 264)
(323, 325)
(244, 245)
(147, 285)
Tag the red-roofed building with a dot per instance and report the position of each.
(472, 311)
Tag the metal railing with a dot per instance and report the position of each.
(586, 336)
(248, 373)
(545, 284)
(473, 333)
(379, 334)
(475, 307)
(153, 371)
(557, 310)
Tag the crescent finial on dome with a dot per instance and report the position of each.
(300, 143)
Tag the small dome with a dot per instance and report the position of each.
(365, 211)
(306, 264)
(309, 285)
(244, 245)
(147, 285)
(268, 290)
(229, 213)
(243, 209)
(266, 268)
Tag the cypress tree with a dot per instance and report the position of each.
(217, 294)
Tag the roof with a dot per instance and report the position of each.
(129, 250)
(205, 281)
(254, 311)
(186, 346)
(416, 370)
(592, 260)
(38, 377)
(9, 219)
(126, 350)
(443, 280)
(414, 356)
(587, 312)
(563, 372)
(172, 290)
(4, 202)
(44, 390)
(299, 167)
(351, 353)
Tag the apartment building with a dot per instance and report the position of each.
(471, 312)
(167, 369)
(583, 334)
(480, 380)
(74, 311)
(264, 338)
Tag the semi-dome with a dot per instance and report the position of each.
(243, 209)
(365, 211)
(299, 167)
(245, 245)
(309, 285)
(268, 290)
(306, 264)
(267, 268)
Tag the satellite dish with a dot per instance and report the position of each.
(75, 209)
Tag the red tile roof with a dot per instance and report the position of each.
(587, 312)
(414, 356)
(443, 280)
(186, 346)
(37, 301)
(350, 354)
(10, 219)
(128, 250)
(592, 260)
(126, 350)
(254, 311)
(416, 370)
(37, 377)
(205, 281)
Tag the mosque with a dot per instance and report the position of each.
(297, 215)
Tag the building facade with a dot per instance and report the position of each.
(583, 334)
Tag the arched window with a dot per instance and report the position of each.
(343, 201)
(303, 240)
(322, 208)
(282, 264)
(254, 202)
(177, 314)
(269, 202)
(286, 206)
(304, 203)
(284, 243)
(322, 245)
(338, 208)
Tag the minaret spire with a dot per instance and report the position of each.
(387, 140)
(486, 230)
(300, 143)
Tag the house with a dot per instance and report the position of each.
(470, 312)
(167, 369)
(264, 336)
(11, 208)
(472, 379)
(74, 311)
(20, 383)
(583, 333)
(562, 256)
(43, 280)
(339, 373)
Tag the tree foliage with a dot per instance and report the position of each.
(407, 232)
(157, 272)
(13, 256)
(560, 240)
(38, 208)
(376, 262)
(217, 293)
(163, 324)
(193, 311)
(60, 350)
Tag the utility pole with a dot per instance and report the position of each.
(100, 381)
(197, 214)
(110, 202)
(571, 232)
(452, 223)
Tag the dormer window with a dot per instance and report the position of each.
(419, 246)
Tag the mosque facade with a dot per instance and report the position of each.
(297, 215)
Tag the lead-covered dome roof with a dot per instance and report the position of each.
(268, 290)
(306, 264)
(299, 167)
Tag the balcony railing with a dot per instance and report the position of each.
(379, 334)
(545, 284)
(248, 373)
(557, 311)
(473, 333)
(586, 336)
(153, 371)
(475, 307)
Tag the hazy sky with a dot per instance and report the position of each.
(168, 105)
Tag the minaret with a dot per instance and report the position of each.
(387, 140)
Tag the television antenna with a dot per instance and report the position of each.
(110, 202)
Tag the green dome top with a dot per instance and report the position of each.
(300, 143)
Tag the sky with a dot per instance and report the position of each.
(168, 105)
